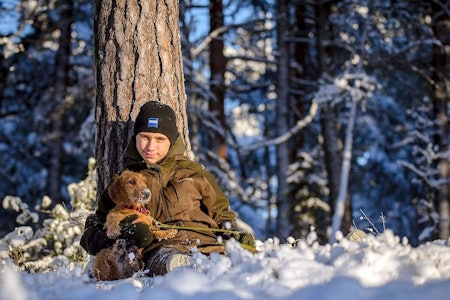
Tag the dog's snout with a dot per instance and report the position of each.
(146, 193)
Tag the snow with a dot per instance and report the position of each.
(380, 267)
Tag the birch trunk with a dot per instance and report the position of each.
(340, 206)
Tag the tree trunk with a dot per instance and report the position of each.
(283, 204)
(440, 103)
(137, 59)
(217, 63)
(329, 126)
(340, 205)
(63, 103)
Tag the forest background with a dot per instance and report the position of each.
(295, 106)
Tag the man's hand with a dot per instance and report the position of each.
(138, 234)
(246, 238)
(94, 236)
(231, 226)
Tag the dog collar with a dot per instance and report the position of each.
(142, 210)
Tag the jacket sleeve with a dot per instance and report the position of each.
(222, 205)
(94, 236)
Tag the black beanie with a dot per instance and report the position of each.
(155, 116)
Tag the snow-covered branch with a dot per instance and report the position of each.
(433, 183)
(294, 130)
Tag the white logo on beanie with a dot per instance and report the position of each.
(152, 122)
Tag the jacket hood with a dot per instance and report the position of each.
(133, 160)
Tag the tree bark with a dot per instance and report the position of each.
(63, 102)
(282, 111)
(440, 103)
(332, 145)
(137, 59)
(218, 64)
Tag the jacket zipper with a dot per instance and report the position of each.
(163, 198)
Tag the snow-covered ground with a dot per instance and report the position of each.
(381, 267)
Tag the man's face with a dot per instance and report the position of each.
(153, 147)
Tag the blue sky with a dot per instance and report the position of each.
(9, 16)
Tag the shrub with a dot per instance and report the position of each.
(57, 240)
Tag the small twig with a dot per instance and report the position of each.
(44, 211)
(383, 221)
(370, 221)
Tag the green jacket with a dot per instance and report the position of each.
(184, 193)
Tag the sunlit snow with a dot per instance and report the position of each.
(381, 267)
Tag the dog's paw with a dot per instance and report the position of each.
(112, 224)
(113, 232)
(165, 234)
(171, 232)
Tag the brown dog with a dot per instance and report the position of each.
(130, 195)
(117, 262)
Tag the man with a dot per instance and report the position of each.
(183, 194)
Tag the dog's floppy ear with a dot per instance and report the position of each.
(115, 189)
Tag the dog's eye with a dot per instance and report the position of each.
(132, 182)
